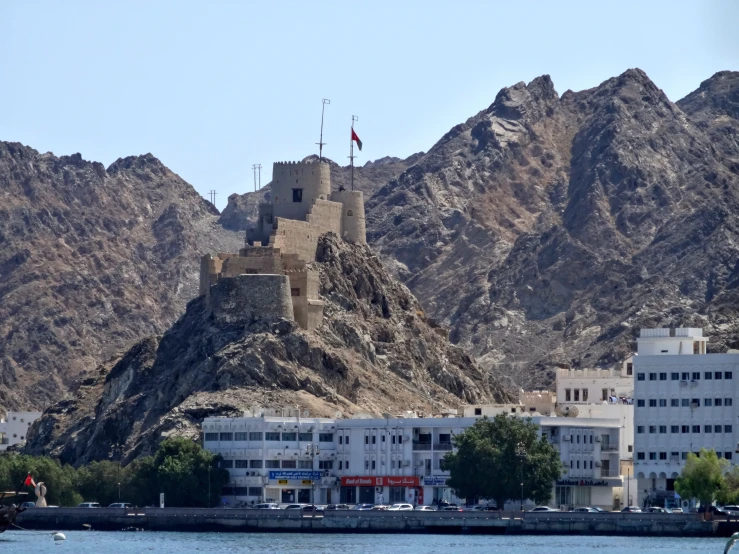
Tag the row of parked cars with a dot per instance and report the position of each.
(625, 510)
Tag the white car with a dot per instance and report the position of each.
(89, 505)
(267, 506)
(424, 509)
(400, 508)
(545, 509)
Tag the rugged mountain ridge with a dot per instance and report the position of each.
(546, 230)
(91, 260)
(242, 210)
(375, 352)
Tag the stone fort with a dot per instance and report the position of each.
(273, 275)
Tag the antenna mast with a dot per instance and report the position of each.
(321, 143)
(351, 148)
(257, 168)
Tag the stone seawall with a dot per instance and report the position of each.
(352, 521)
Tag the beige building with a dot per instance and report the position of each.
(302, 208)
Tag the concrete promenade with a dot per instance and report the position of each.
(352, 521)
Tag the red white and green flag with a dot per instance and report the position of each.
(356, 138)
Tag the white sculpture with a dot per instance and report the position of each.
(40, 491)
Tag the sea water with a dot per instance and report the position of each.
(94, 542)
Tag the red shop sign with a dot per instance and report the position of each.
(384, 481)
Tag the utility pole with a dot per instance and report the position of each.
(351, 149)
(320, 142)
(521, 454)
(254, 172)
(259, 176)
(212, 196)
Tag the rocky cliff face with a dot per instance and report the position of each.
(242, 210)
(546, 230)
(91, 261)
(375, 352)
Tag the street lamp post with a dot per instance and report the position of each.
(312, 450)
(521, 454)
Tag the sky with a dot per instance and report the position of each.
(211, 88)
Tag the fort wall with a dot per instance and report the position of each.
(312, 179)
(353, 226)
(245, 299)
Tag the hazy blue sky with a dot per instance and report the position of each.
(212, 87)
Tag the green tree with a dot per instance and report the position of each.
(702, 477)
(494, 456)
(60, 480)
(729, 492)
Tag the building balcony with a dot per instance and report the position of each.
(421, 446)
(609, 448)
(609, 473)
(443, 446)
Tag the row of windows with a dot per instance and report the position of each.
(684, 402)
(584, 464)
(674, 455)
(686, 376)
(257, 436)
(241, 491)
(685, 429)
(277, 464)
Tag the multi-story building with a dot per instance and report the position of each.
(14, 427)
(391, 459)
(684, 402)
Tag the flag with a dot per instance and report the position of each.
(355, 137)
(29, 481)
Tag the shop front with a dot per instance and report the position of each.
(573, 493)
(435, 489)
(387, 489)
(290, 487)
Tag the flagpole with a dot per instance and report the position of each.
(351, 148)
(321, 143)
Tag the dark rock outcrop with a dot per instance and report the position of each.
(91, 261)
(375, 352)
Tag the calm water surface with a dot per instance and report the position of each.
(79, 542)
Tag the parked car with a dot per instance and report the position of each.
(267, 506)
(295, 506)
(732, 510)
(424, 509)
(677, 511)
(545, 509)
(26, 505)
(121, 505)
(337, 507)
(631, 510)
(89, 505)
(401, 508)
(586, 509)
(312, 508)
(380, 507)
(657, 510)
(363, 506)
(451, 508)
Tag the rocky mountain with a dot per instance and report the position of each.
(242, 210)
(91, 261)
(547, 229)
(375, 352)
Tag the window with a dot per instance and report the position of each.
(707, 428)
(663, 376)
(727, 428)
(297, 195)
(683, 455)
(373, 464)
(567, 395)
(240, 436)
(328, 437)
(584, 395)
(696, 376)
(685, 429)
(696, 402)
(640, 403)
(307, 437)
(708, 375)
(305, 464)
(652, 455)
(255, 491)
(289, 437)
(708, 402)
(674, 428)
(289, 464)
(578, 464)
(577, 395)
(604, 394)
(340, 465)
(578, 439)
(478, 411)
(696, 429)
(346, 441)
(346, 464)
(295, 292)
(728, 455)
(255, 435)
(630, 448)
(272, 436)
(675, 376)
(341, 439)
(652, 402)
(727, 374)
(685, 376)
(349, 213)
(652, 428)
(242, 464)
(629, 368)
(727, 401)
(717, 375)
(366, 439)
(663, 455)
(211, 437)
(718, 428)
(325, 464)
(717, 401)
(639, 376)
(383, 438)
(227, 464)
(374, 439)
(640, 428)
(662, 402)
(400, 439)
(227, 436)
(685, 402)
(675, 402)
(640, 455)
(652, 376)
(663, 428)
(255, 464)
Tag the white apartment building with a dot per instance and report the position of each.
(390, 459)
(685, 401)
(14, 428)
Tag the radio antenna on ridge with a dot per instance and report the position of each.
(257, 168)
(321, 143)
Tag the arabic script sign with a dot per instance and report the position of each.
(583, 483)
(384, 481)
(295, 475)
